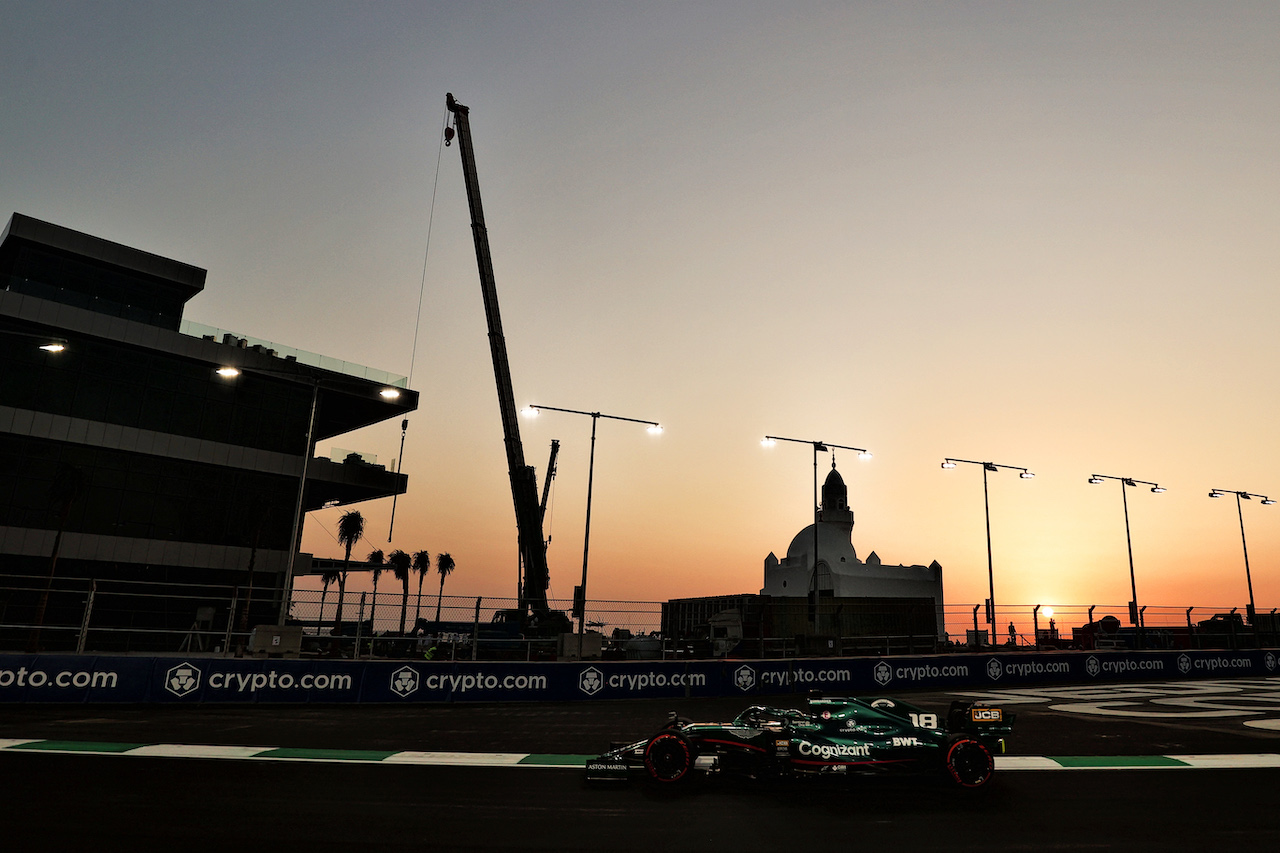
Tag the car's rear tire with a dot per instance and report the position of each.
(969, 763)
(668, 757)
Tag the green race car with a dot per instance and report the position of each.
(832, 735)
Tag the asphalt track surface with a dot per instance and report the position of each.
(114, 802)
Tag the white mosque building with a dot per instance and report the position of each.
(839, 574)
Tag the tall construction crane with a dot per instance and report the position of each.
(524, 482)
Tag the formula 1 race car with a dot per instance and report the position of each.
(833, 735)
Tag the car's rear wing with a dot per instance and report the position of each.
(979, 719)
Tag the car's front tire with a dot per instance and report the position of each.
(969, 763)
(668, 757)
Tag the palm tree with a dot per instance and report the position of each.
(328, 577)
(378, 559)
(421, 565)
(445, 566)
(68, 485)
(400, 562)
(350, 531)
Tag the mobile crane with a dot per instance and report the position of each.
(534, 612)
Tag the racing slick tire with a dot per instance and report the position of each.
(968, 761)
(668, 757)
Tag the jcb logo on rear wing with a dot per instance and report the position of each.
(987, 715)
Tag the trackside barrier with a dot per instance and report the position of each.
(178, 680)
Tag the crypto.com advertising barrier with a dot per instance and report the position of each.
(179, 680)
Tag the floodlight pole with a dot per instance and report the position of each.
(654, 427)
(1135, 614)
(1244, 544)
(286, 592)
(823, 447)
(295, 536)
(950, 462)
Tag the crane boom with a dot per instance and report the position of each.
(524, 483)
(550, 475)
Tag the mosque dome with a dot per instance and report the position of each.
(835, 545)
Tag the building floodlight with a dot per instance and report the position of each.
(389, 393)
(53, 347)
(227, 372)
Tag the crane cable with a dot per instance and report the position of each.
(417, 327)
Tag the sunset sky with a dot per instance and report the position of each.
(1039, 234)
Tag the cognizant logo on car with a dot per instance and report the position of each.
(829, 751)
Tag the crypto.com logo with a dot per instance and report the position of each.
(182, 680)
(745, 678)
(1091, 666)
(882, 672)
(404, 681)
(590, 681)
(994, 669)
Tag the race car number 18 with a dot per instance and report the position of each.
(924, 721)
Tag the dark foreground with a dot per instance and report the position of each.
(52, 801)
(69, 802)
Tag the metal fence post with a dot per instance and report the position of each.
(84, 623)
(231, 617)
(475, 630)
(359, 625)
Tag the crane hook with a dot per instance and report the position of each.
(448, 136)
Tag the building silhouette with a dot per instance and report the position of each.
(154, 467)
